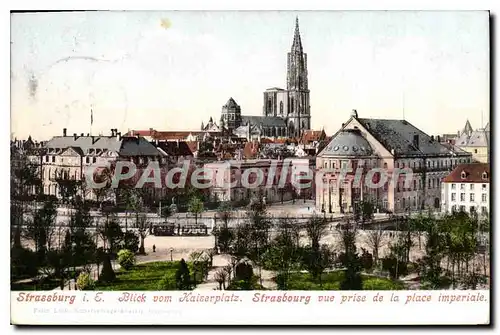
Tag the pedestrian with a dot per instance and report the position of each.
(154, 248)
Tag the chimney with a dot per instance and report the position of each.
(74, 136)
(439, 139)
(432, 138)
(81, 134)
(64, 132)
(88, 134)
(343, 124)
(119, 135)
(112, 132)
(416, 141)
(138, 139)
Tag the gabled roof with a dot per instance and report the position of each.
(473, 173)
(398, 135)
(478, 138)
(309, 136)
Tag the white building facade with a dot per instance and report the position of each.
(467, 189)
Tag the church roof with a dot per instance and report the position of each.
(297, 43)
(265, 121)
(231, 103)
(347, 142)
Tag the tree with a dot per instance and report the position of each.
(220, 277)
(223, 234)
(126, 259)
(42, 228)
(316, 257)
(81, 243)
(196, 207)
(350, 260)
(284, 253)
(375, 239)
(111, 233)
(183, 277)
(430, 265)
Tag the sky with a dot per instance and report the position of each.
(173, 70)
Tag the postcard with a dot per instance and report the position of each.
(250, 167)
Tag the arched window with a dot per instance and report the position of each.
(281, 107)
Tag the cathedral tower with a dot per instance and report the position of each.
(298, 112)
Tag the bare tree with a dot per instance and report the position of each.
(220, 277)
(375, 239)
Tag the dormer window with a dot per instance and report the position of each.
(485, 175)
(464, 175)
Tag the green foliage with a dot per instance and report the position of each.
(395, 268)
(168, 282)
(244, 272)
(23, 263)
(195, 205)
(381, 284)
(183, 277)
(111, 232)
(366, 260)
(126, 259)
(85, 282)
(130, 241)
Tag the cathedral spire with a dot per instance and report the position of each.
(297, 43)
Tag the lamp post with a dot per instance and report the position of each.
(171, 257)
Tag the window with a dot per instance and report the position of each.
(463, 175)
(46, 158)
(475, 151)
(485, 176)
(453, 186)
(385, 165)
(87, 160)
(484, 197)
(94, 159)
(344, 164)
(429, 184)
(483, 187)
(333, 165)
(471, 197)
(472, 209)
(454, 208)
(484, 210)
(414, 185)
(462, 196)
(462, 186)
(453, 197)
(462, 208)
(433, 183)
(471, 187)
(53, 159)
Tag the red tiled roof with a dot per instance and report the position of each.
(251, 149)
(312, 135)
(473, 173)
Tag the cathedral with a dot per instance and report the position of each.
(286, 113)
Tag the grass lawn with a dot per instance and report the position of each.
(142, 277)
(331, 282)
